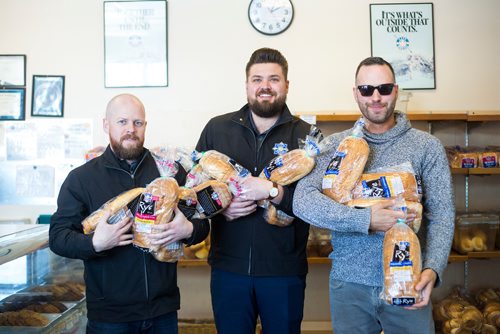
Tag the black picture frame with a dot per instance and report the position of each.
(12, 104)
(47, 99)
(12, 70)
(403, 34)
(135, 43)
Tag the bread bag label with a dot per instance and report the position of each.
(275, 163)
(383, 187)
(334, 166)
(401, 269)
(468, 162)
(489, 161)
(187, 207)
(122, 213)
(145, 216)
(209, 201)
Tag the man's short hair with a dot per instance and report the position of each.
(267, 55)
(374, 61)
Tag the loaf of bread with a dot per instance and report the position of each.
(402, 265)
(289, 167)
(274, 216)
(387, 184)
(412, 206)
(488, 159)
(156, 206)
(345, 168)
(462, 157)
(170, 253)
(196, 176)
(219, 166)
(113, 206)
(213, 197)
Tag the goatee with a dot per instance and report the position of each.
(127, 153)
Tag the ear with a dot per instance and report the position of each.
(287, 85)
(105, 126)
(355, 93)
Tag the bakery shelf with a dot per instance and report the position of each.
(455, 257)
(484, 255)
(476, 171)
(429, 115)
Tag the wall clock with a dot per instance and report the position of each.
(270, 17)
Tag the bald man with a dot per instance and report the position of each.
(127, 290)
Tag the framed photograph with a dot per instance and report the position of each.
(12, 70)
(12, 104)
(403, 34)
(47, 99)
(135, 43)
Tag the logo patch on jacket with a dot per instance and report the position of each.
(280, 148)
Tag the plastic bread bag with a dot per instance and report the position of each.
(213, 197)
(462, 157)
(389, 182)
(274, 216)
(288, 167)
(188, 202)
(156, 206)
(224, 169)
(165, 158)
(346, 165)
(196, 176)
(488, 158)
(118, 208)
(94, 153)
(402, 262)
(415, 207)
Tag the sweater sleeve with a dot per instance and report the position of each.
(439, 209)
(315, 208)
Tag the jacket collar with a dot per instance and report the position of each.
(111, 160)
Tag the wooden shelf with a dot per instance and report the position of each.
(471, 116)
(453, 258)
(476, 171)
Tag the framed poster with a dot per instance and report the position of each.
(403, 34)
(135, 43)
(12, 70)
(12, 104)
(48, 96)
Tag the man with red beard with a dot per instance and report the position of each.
(258, 269)
(127, 290)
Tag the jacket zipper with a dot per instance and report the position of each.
(145, 276)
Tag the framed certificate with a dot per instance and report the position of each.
(135, 43)
(403, 34)
(48, 96)
(12, 104)
(12, 70)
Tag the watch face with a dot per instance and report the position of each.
(270, 17)
(273, 192)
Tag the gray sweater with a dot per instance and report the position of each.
(357, 252)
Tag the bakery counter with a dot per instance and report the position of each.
(40, 292)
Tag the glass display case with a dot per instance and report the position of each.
(40, 292)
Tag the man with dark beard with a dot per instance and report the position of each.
(258, 269)
(127, 290)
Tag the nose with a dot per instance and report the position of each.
(376, 95)
(130, 127)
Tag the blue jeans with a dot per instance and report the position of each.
(164, 324)
(357, 308)
(237, 300)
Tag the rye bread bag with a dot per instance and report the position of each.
(117, 206)
(346, 166)
(402, 265)
(156, 206)
(212, 198)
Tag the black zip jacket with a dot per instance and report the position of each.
(123, 283)
(249, 245)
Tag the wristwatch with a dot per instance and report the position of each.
(273, 192)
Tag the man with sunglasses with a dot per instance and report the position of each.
(356, 278)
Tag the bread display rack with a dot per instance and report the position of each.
(34, 281)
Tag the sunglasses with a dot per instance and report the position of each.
(383, 89)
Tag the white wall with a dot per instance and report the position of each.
(209, 45)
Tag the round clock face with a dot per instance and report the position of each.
(270, 17)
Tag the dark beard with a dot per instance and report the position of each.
(132, 153)
(268, 110)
